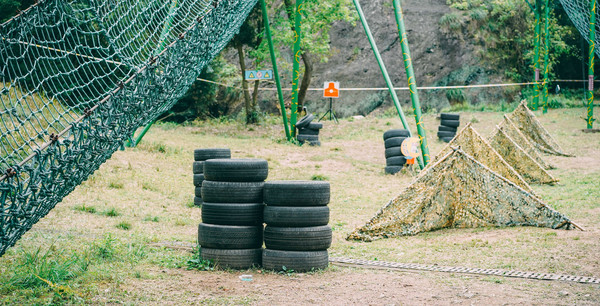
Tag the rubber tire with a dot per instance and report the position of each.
(442, 128)
(396, 133)
(449, 116)
(198, 179)
(393, 169)
(232, 192)
(451, 123)
(308, 132)
(236, 170)
(296, 216)
(198, 167)
(314, 238)
(198, 201)
(304, 138)
(446, 134)
(198, 192)
(446, 139)
(233, 259)
(205, 154)
(232, 213)
(394, 142)
(397, 161)
(314, 143)
(392, 152)
(305, 121)
(230, 237)
(297, 261)
(315, 126)
(297, 193)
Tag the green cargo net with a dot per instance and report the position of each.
(579, 12)
(79, 77)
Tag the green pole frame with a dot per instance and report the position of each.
(296, 65)
(412, 83)
(383, 71)
(275, 71)
(536, 57)
(546, 54)
(592, 42)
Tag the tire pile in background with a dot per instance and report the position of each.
(308, 131)
(200, 156)
(448, 126)
(297, 234)
(394, 159)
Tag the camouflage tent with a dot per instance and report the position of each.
(459, 191)
(515, 134)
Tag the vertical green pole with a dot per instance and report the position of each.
(546, 54)
(386, 76)
(296, 65)
(275, 71)
(590, 97)
(536, 57)
(412, 83)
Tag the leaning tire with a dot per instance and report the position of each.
(232, 192)
(313, 238)
(205, 154)
(198, 179)
(236, 170)
(395, 161)
(233, 259)
(306, 120)
(450, 123)
(297, 193)
(315, 126)
(297, 261)
(229, 237)
(446, 134)
(396, 133)
(232, 213)
(393, 151)
(449, 116)
(393, 169)
(442, 128)
(198, 167)
(394, 142)
(296, 216)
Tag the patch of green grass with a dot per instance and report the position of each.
(84, 208)
(116, 185)
(112, 212)
(319, 177)
(124, 225)
(151, 219)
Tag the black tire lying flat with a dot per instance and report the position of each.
(307, 131)
(296, 216)
(198, 201)
(396, 133)
(204, 154)
(307, 138)
(449, 116)
(394, 142)
(450, 123)
(297, 193)
(233, 259)
(305, 121)
(230, 237)
(297, 261)
(232, 213)
(314, 143)
(442, 134)
(397, 161)
(393, 169)
(198, 192)
(198, 167)
(232, 192)
(447, 139)
(393, 151)
(442, 128)
(313, 238)
(198, 179)
(236, 170)
(315, 126)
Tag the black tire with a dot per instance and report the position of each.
(236, 170)
(297, 193)
(230, 237)
(232, 213)
(442, 128)
(397, 161)
(296, 216)
(394, 142)
(315, 126)
(198, 201)
(198, 192)
(393, 169)
(294, 261)
(449, 116)
(314, 143)
(315, 238)
(451, 123)
(198, 167)
(393, 151)
(307, 138)
(205, 154)
(305, 121)
(232, 192)
(446, 134)
(396, 133)
(198, 179)
(233, 259)
(307, 131)
(447, 139)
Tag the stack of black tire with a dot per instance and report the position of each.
(200, 156)
(297, 235)
(308, 131)
(231, 232)
(394, 159)
(448, 126)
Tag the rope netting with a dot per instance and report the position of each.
(79, 77)
(579, 12)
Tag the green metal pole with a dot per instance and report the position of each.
(546, 54)
(590, 106)
(386, 76)
(412, 82)
(536, 57)
(144, 131)
(275, 71)
(296, 65)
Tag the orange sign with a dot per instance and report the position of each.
(331, 90)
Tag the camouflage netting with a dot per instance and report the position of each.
(531, 127)
(459, 191)
(515, 134)
(522, 162)
(475, 145)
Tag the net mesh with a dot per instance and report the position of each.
(515, 134)
(579, 12)
(79, 77)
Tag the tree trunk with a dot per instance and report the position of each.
(255, 94)
(308, 64)
(248, 106)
